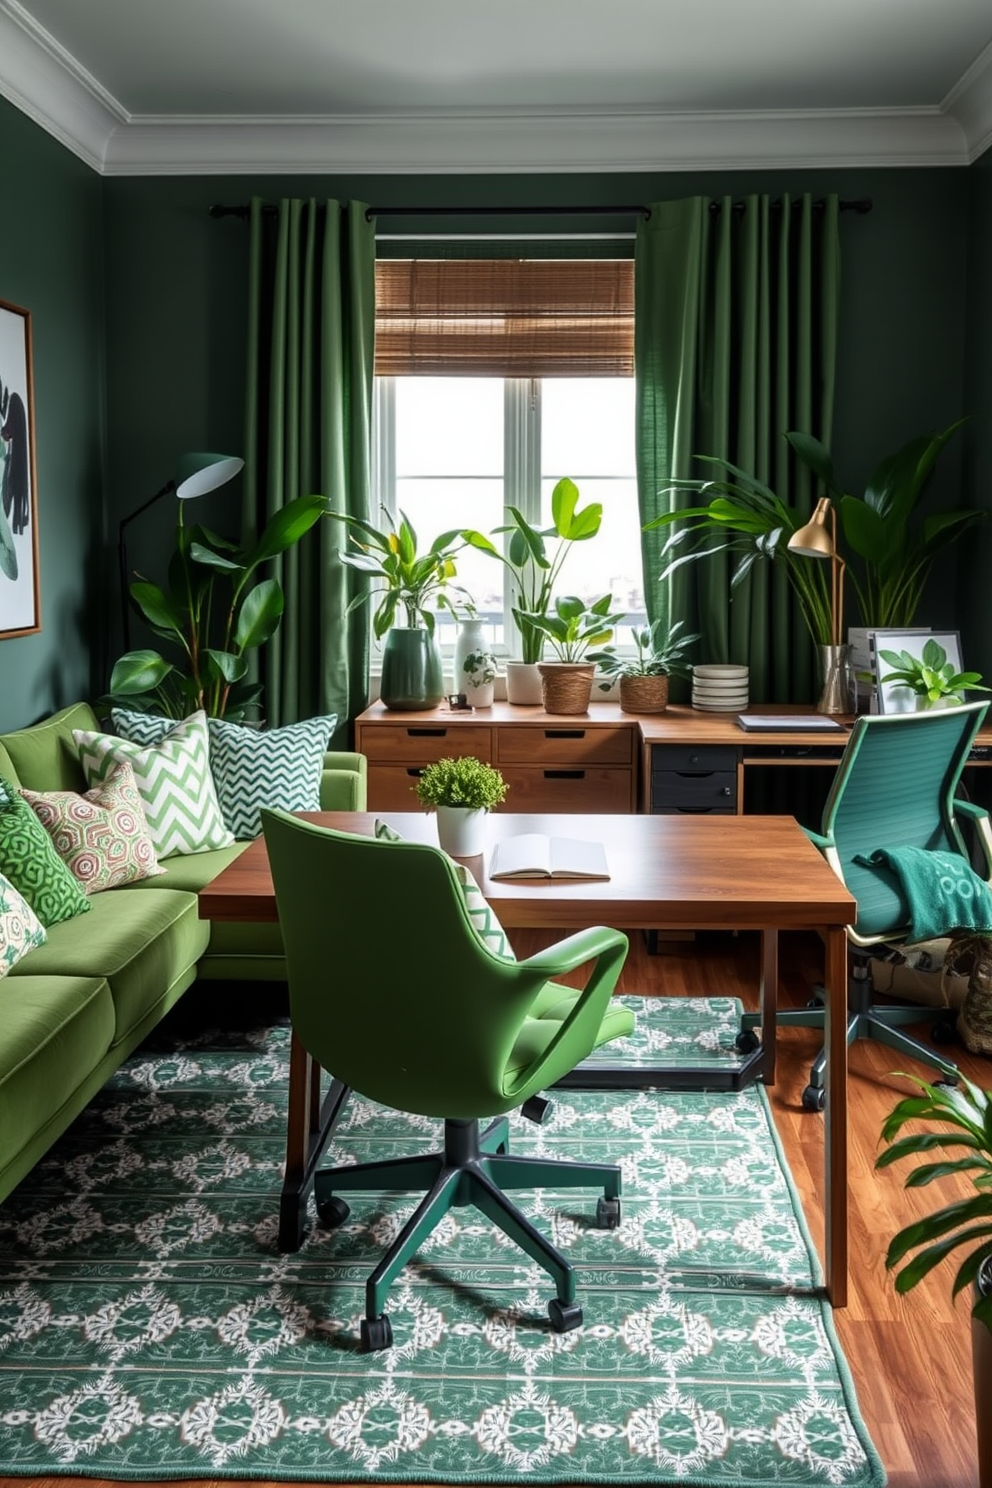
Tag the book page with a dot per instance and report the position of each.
(525, 856)
(573, 858)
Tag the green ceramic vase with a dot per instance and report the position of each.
(412, 674)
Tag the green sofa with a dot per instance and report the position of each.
(73, 1009)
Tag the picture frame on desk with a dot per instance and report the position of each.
(894, 697)
(861, 640)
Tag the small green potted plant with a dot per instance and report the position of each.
(571, 627)
(930, 677)
(462, 791)
(965, 1111)
(659, 654)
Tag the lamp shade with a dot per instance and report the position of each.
(815, 540)
(197, 474)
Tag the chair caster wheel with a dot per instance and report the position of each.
(814, 1098)
(332, 1212)
(943, 1032)
(746, 1041)
(537, 1109)
(607, 1214)
(377, 1333)
(564, 1315)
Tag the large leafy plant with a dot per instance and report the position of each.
(572, 626)
(405, 581)
(213, 615)
(535, 570)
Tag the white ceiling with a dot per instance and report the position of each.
(192, 86)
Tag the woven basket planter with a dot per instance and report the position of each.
(567, 685)
(643, 694)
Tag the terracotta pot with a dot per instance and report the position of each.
(644, 694)
(567, 685)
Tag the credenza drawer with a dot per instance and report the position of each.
(565, 744)
(567, 788)
(391, 788)
(714, 794)
(689, 758)
(423, 743)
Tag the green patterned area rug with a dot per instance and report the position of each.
(150, 1329)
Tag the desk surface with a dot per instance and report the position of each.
(667, 872)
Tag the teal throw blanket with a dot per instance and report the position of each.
(943, 891)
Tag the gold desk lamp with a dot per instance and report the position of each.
(814, 540)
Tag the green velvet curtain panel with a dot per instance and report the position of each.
(311, 330)
(735, 315)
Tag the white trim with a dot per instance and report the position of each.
(970, 100)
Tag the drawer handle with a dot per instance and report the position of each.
(694, 810)
(727, 791)
(426, 733)
(415, 770)
(564, 733)
(564, 774)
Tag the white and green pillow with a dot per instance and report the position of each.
(20, 928)
(174, 782)
(485, 921)
(252, 768)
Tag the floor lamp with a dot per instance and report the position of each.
(195, 476)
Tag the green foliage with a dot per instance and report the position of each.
(967, 1111)
(461, 782)
(660, 652)
(930, 676)
(210, 613)
(571, 628)
(535, 573)
(404, 579)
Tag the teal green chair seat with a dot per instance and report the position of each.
(393, 992)
(896, 786)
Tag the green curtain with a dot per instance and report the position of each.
(735, 341)
(311, 330)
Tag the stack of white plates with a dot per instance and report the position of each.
(719, 689)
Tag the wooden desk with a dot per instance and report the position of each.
(667, 872)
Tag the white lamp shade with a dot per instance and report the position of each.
(197, 474)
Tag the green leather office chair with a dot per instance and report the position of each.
(393, 992)
(895, 787)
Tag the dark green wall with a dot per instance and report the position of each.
(51, 263)
(976, 612)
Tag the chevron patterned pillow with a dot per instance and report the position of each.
(484, 919)
(252, 768)
(174, 782)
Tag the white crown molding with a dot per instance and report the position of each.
(970, 101)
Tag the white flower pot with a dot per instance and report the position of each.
(461, 832)
(523, 683)
(474, 666)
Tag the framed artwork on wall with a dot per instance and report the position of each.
(20, 606)
(897, 697)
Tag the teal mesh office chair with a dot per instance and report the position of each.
(895, 787)
(393, 991)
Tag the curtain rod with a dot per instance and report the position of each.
(861, 206)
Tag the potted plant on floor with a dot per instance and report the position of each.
(659, 654)
(462, 792)
(411, 585)
(965, 1111)
(571, 628)
(535, 572)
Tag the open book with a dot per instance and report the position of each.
(532, 855)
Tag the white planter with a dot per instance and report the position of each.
(474, 666)
(523, 683)
(461, 832)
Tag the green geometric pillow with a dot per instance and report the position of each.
(20, 928)
(174, 782)
(483, 917)
(30, 862)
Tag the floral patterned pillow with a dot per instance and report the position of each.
(102, 836)
(20, 928)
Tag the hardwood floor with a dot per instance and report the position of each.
(910, 1357)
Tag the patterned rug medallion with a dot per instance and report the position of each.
(150, 1328)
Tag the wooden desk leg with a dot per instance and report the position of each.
(769, 1003)
(835, 1036)
(308, 1126)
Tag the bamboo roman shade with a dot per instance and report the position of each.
(504, 318)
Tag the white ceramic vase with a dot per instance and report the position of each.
(474, 665)
(461, 832)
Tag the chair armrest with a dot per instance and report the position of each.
(343, 782)
(968, 808)
(574, 951)
(983, 831)
(818, 840)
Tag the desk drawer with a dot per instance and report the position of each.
(567, 789)
(693, 758)
(714, 794)
(422, 743)
(564, 744)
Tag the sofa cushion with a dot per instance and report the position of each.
(174, 781)
(30, 862)
(101, 835)
(56, 1029)
(252, 768)
(191, 872)
(45, 756)
(141, 940)
(20, 928)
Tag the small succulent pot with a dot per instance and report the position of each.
(644, 694)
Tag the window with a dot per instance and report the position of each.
(456, 446)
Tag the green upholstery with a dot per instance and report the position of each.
(895, 787)
(394, 994)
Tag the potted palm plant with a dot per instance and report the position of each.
(462, 791)
(659, 654)
(407, 585)
(571, 628)
(964, 1112)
